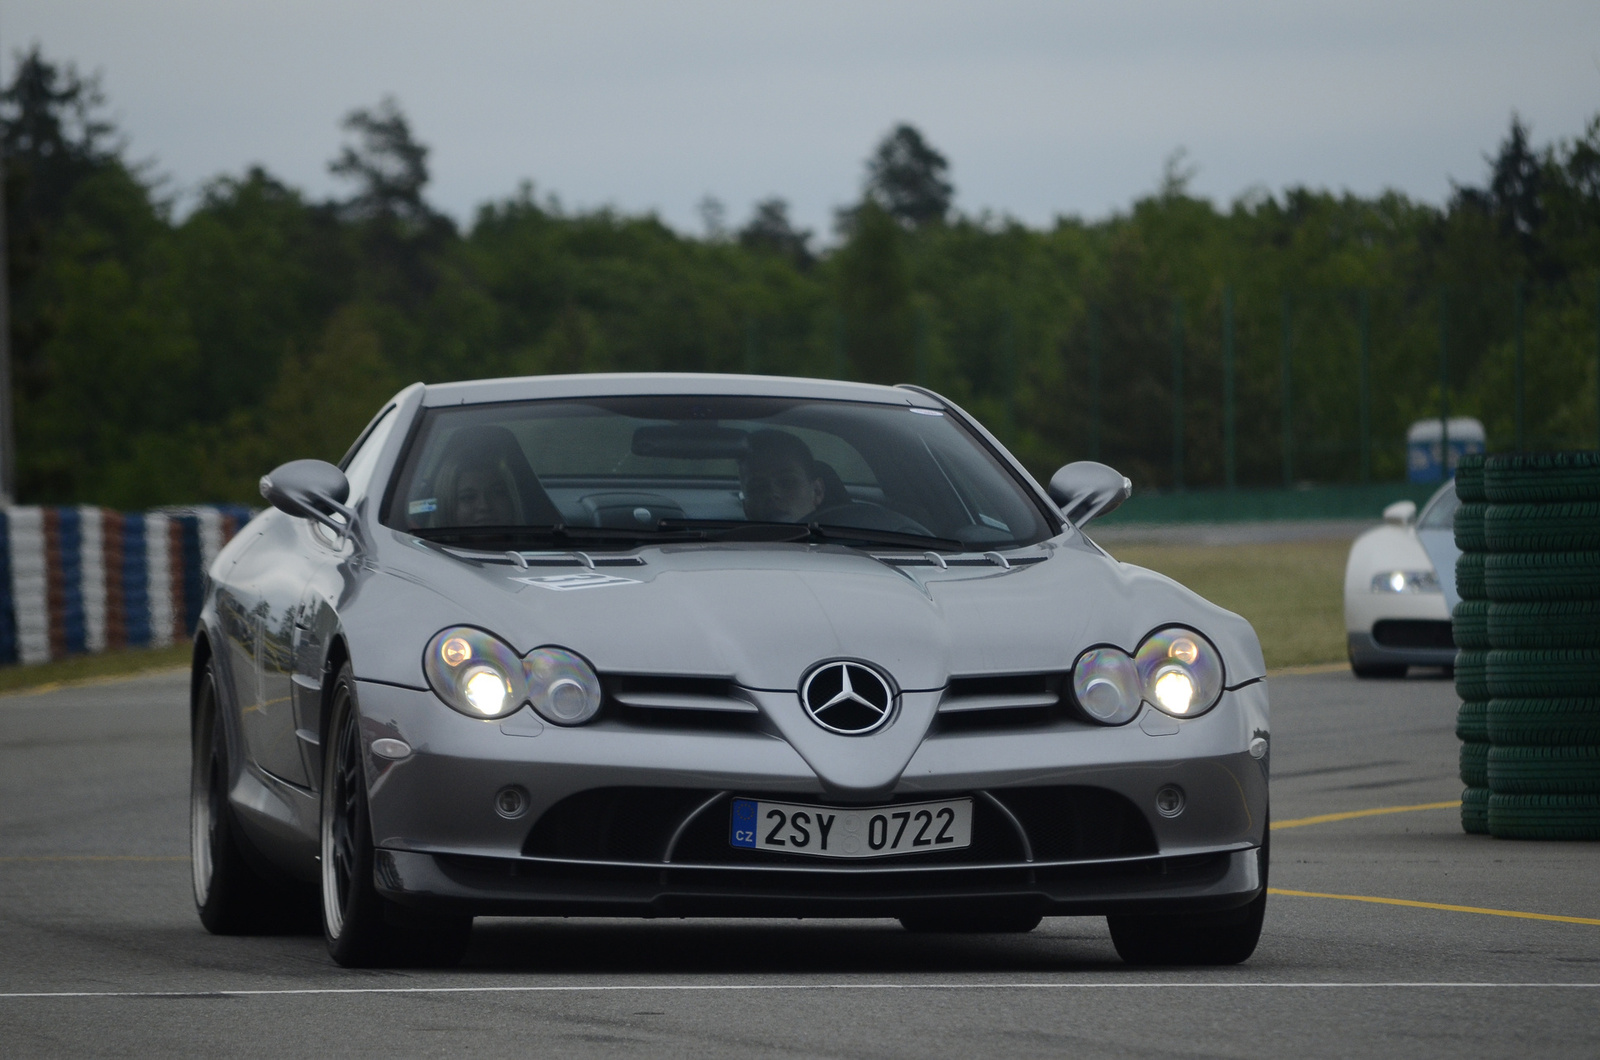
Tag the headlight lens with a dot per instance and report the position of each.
(475, 672)
(563, 687)
(1105, 683)
(481, 676)
(1406, 581)
(1180, 672)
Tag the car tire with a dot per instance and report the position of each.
(1546, 722)
(1227, 937)
(989, 921)
(1469, 625)
(234, 892)
(1469, 479)
(1542, 478)
(1472, 675)
(1552, 624)
(1561, 673)
(1544, 770)
(1474, 769)
(1568, 527)
(1544, 816)
(1472, 721)
(1468, 526)
(362, 928)
(1470, 584)
(1515, 576)
(1475, 811)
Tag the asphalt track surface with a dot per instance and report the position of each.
(101, 953)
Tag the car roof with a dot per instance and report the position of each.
(644, 384)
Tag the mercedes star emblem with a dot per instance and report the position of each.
(849, 698)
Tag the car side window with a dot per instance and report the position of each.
(359, 467)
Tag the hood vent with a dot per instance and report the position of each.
(1003, 692)
(942, 562)
(670, 693)
(545, 559)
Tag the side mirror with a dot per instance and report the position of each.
(1085, 489)
(1400, 513)
(311, 489)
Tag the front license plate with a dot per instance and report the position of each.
(851, 831)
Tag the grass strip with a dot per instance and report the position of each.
(1291, 591)
(39, 677)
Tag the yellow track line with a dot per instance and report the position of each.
(1437, 905)
(1324, 818)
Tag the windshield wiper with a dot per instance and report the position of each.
(746, 530)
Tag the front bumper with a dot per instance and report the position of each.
(1071, 825)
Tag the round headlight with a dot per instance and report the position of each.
(1180, 672)
(563, 688)
(1105, 684)
(474, 672)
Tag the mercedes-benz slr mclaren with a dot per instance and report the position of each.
(713, 646)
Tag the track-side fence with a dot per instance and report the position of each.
(83, 579)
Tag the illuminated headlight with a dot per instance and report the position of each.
(481, 676)
(1180, 672)
(1406, 581)
(1105, 684)
(475, 672)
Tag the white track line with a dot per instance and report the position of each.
(751, 987)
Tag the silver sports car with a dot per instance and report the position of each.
(713, 646)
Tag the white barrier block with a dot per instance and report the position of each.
(158, 563)
(210, 537)
(92, 564)
(29, 589)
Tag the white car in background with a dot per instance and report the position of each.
(1400, 588)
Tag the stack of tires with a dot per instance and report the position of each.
(1470, 626)
(1541, 575)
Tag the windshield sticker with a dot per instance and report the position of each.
(423, 507)
(565, 582)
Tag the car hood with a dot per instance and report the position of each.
(763, 614)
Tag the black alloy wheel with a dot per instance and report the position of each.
(234, 893)
(362, 928)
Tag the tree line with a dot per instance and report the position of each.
(160, 359)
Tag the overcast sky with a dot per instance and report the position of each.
(1043, 108)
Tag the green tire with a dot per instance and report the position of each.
(1469, 625)
(1572, 526)
(1470, 583)
(1542, 722)
(1472, 675)
(1472, 721)
(1544, 770)
(1515, 576)
(1475, 811)
(1567, 673)
(1541, 478)
(1469, 527)
(1469, 479)
(1544, 816)
(1544, 624)
(1475, 765)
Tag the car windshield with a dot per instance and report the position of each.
(1440, 514)
(537, 474)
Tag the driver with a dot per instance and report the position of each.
(778, 479)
